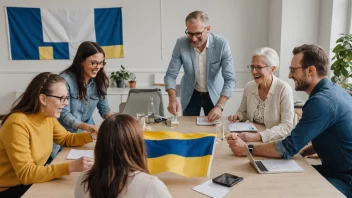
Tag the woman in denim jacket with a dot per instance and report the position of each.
(86, 83)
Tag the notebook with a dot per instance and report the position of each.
(274, 165)
(241, 126)
(204, 121)
(76, 154)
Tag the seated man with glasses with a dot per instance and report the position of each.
(209, 76)
(86, 82)
(266, 100)
(326, 121)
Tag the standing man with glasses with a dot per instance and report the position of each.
(209, 76)
(326, 121)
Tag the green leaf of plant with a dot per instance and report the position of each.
(333, 66)
(339, 40)
(336, 72)
(344, 72)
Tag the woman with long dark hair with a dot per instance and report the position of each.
(87, 83)
(120, 166)
(27, 134)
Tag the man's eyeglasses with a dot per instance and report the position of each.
(62, 98)
(196, 34)
(257, 68)
(292, 69)
(96, 63)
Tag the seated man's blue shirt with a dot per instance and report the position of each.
(327, 122)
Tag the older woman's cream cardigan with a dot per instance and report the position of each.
(279, 110)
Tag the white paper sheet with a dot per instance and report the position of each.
(241, 126)
(212, 190)
(76, 154)
(204, 121)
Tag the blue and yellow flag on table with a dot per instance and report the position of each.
(46, 34)
(185, 154)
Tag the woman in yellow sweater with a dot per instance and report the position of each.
(27, 134)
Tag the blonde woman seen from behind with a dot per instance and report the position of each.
(120, 167)
(266, 100)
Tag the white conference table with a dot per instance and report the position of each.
(307, 184)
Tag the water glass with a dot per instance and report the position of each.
(141, 119)
(174, 122)
(220, 133)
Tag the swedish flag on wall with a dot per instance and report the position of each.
(45, 34)
(185, 154)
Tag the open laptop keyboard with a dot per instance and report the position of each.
(261, 166)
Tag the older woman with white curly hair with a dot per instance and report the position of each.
(266, 100)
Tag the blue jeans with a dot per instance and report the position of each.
(342, 182)
(199, 100)
(56, 149)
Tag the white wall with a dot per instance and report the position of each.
(275, 22)
(300, 25)
(150, 31)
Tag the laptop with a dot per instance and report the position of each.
(274, 165)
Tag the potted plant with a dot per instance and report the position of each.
(120, 76)
(342, 62)
(132, 80)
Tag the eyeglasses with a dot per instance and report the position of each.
(96, 63)
(292, 69)
(197, 34)
(62, 98)
(257, 68)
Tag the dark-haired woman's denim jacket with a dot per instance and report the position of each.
(327, 122)
(81, 110)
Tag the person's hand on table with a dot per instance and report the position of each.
(81, 164)
(88, 127)
(95, 135)
(236, 144)
(92, 129)
(250, 137)
(214, 114)
(233, 118)
(173, 107)
(313, 156)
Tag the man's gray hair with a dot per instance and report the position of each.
(272, 58)
(193, 16)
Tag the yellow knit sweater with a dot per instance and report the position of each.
(25, 145)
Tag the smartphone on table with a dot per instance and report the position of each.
(227, 180)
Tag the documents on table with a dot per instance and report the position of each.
(242, 126)
(204, 121)
(76, 154)
(211, 189)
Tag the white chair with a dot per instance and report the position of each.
(138, 100)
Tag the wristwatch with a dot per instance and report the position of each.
(221, 107)
(250, 148)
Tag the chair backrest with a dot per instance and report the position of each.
(138, 100)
